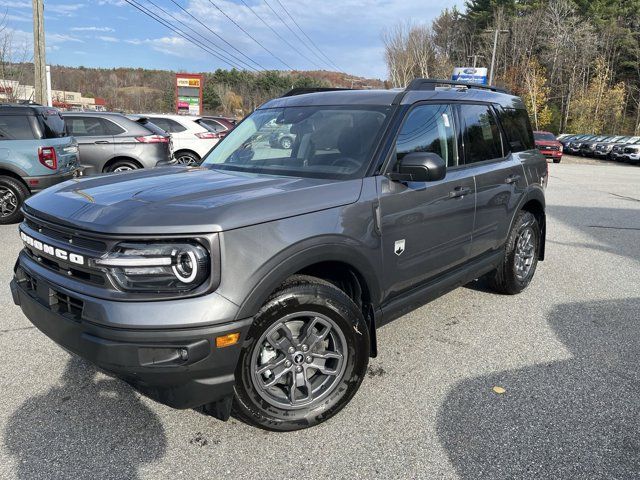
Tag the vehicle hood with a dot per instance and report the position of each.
(178, 200)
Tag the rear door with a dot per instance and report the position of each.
(498, 172)
(426, 226)
(95, 141)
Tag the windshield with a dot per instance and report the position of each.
(544, 136)
(320, 142)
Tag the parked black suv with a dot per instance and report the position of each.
(255, 282)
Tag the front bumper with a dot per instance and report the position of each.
(179, 367)
(551, 153)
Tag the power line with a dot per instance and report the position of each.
(307, 36)
(278, 35)
(209, 41)
(216, 34)
(252, 38)
(293, 32)
(182, 34)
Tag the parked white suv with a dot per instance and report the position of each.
(191, 141)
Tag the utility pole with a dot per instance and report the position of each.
(39, 62)
(475, 59)
(496, 32)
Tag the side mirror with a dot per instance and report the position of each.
(422, 167)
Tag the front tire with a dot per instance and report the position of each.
(188, 159)
(557, 160)
(13, 193)
(305, 357)
(521, 254)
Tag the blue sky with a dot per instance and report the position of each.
(112, 33)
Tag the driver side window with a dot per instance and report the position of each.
(429, 128)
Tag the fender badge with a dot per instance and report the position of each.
(399, 247)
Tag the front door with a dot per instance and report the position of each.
(426, 226)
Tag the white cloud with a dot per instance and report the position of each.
(92, 29)
(107, 38)
(176, 46)
(13, 4)
(66, 9)
(7, 17)
(61, 38)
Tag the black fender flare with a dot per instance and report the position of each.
(535, 193)
(8, 167)
(300, 256)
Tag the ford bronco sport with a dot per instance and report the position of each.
(35, 152)
(254, 283)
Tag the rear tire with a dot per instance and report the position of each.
(520, 256)
(269, 394)
(13, 193)
(122, 166)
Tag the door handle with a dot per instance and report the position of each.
(101, 142)
(459, 192)
(512, 179)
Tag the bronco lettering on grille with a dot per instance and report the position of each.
(53, 251)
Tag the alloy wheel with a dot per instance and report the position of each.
(187, 160)
(524, 253)
(8, 202)
(299, 360)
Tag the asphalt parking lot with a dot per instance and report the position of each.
(566, 352)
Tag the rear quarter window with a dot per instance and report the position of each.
(16, 127)
(53, 124)
(516, 125)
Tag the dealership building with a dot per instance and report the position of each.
(13, 91)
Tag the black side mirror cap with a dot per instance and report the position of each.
(421, 167)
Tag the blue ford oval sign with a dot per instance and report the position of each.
(470, 75)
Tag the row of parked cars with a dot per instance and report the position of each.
(610, 147)
(41, 146)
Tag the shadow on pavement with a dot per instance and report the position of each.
(89, 427)
(575, 418)
(615, 230)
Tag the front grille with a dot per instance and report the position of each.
(630, 150)
(58, 302)
(66, 236)
(66, 304)
(549, 147)
(85, 275)
(26, 281)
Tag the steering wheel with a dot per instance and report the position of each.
(346, 160)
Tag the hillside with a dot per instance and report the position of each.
(225, 91)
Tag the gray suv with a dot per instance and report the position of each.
(111, 142)
(255, 282)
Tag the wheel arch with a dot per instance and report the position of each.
(187, 150)
(111, 161)
(15, 174)
(328, 262)
(534, 202)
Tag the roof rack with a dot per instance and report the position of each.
(431, 83)
(302, 90)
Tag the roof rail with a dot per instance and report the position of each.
(302, 90)
(431, 83)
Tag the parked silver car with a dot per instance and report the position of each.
(111, 142)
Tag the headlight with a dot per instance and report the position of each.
(157, 267)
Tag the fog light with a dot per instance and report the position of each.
(227, 340)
